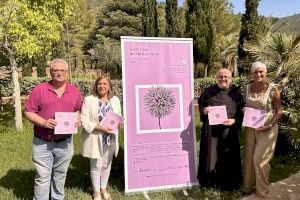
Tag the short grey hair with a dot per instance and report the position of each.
(56, 60)
(258, 64)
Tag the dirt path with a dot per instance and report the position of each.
(287, 189)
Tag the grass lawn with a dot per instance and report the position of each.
(17, 170)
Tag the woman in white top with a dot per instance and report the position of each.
(98, 143)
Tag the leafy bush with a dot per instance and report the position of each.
(289, 127)
(201, 84)
(6, 88)
(85, 85)
(290, 121)
(118, 88)
(28, 83)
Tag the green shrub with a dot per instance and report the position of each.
(6, 88)
(28, 83)
(85, 85)
(202, 83)
(289, 125)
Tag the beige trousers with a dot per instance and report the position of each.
(259, 150)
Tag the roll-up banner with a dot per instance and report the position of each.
(158, 91)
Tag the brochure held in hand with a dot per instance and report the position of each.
(65, 123)
(254, 118)
(111, 121)
(217, 115)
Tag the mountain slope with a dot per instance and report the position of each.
(289, 24)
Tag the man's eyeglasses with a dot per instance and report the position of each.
(56, 71)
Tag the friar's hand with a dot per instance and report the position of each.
(206, 110)
(229, 122)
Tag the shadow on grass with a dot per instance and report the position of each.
(117, 179)
(6, 116)
(284, 166)
(20, 182)
(79, 173)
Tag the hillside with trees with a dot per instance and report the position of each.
(290, 24)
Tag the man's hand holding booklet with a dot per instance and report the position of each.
(111, 121)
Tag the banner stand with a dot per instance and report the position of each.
(159, 138)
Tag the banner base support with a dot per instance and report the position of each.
(146, 196)
(185, 192)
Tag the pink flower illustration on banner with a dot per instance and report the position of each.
(159, 102)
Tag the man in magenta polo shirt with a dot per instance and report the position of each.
(52, 153)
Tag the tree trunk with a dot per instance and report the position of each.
(206, 70)
(235, 71)
(16, 93)
(159, 123)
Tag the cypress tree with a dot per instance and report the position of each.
(150, 26)
(199, 26)
(119, 18)
(115, 19)
(172, 18)
(249, 29)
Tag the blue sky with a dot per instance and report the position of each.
(275, 8)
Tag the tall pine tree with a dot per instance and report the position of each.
(172, 18)
(199, 26)
(119, 18)
(249, 29)
(115, 19)
(150, 26)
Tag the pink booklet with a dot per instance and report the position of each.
(65, 123)
(111, 121)
(254, 118)
(217, 115)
